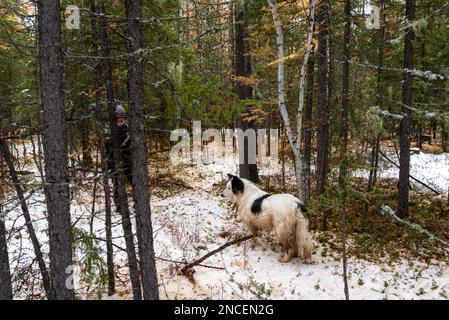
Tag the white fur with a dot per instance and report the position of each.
(280, 213)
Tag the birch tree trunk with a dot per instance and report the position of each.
(139, 153)
(55, 150)
(294, 139)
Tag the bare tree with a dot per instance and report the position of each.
(139, 153)
(8, 158)
(54, 144)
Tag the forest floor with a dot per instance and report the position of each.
(190, 219)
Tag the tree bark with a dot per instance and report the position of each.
(308, 130)
(139, 153)
(119, 178)
(243, 90)
(55, 149)
(322, 98)
(404, 161)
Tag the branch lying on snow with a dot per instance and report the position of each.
(412, 177)
(186, 269)
(386, 209)
(164, 259)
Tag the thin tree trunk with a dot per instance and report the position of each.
(308, 115)
(139, 153)
(104, 166)
(304, 184)
(404, 161)
(323, 97)
(55, 149)
(118, 176)
(85, 131)
(376, 141)
(5, 274)
(344, 129)
(6, 155)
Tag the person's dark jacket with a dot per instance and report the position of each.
(125, 149)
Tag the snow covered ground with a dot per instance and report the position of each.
(432, 169)
(190, 224)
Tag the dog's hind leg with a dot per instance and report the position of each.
(286, 239)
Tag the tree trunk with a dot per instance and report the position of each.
(404, 161)
(322, 98)
(139, 153)
(344, 129)
(7, 157)
(5, 275)
(308, 130)
(55, 149)
(243, 90)
(302, 77)
(104, 166)
(119, 178)
(85, 131)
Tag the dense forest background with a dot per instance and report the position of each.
(356, 97)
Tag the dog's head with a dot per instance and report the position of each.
(234, 188)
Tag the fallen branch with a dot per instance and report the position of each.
(185, 269)
(386, 209)
(412, 177)
(183, 262)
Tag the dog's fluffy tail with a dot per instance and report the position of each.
(304, 241)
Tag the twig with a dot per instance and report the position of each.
(185, 269)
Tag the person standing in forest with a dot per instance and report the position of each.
(124, 143)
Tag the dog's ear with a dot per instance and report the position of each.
(237, 185)
(230, 176)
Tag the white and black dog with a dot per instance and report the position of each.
(283, 213)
